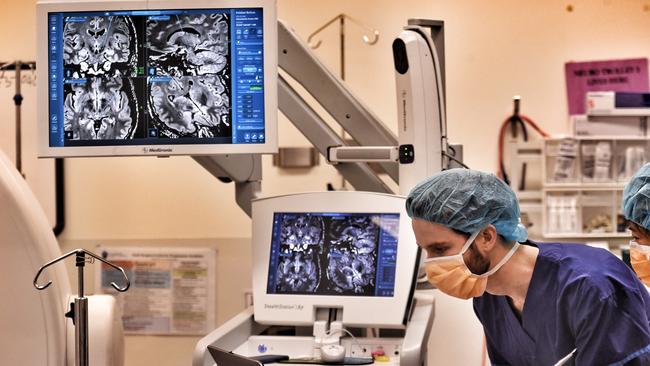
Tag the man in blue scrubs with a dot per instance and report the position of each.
(538, 302)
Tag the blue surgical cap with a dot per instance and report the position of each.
(636, 197)
(468, 201)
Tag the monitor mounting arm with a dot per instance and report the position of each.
(419, 149)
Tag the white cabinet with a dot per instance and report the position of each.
(583, 180)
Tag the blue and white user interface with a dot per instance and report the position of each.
(156, 77)
(351, 254)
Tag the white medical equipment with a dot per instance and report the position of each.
(614, 114)
(610, 103)
(157, 78)
(332, 353)
(422, 150)
(421, 145)
(337, 260)
(312, 221)
(79, 309)
(33, 323)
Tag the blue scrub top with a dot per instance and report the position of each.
(579, 297)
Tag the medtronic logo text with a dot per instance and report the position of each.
(157, 150)
(283, 307)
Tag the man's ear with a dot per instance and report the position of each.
(487, 238)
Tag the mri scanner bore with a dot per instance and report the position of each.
(333, 254)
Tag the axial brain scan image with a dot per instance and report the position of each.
(351, 263)
(101, 109)
(193, 52)
(327, 255)
(100, 46)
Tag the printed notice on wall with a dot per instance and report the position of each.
(172, 289)
(629, 75)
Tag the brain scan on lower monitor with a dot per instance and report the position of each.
(333, 254)
(156, 77)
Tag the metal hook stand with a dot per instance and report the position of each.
(79, 311)
(18, 66)
(341, 19)
(367, 39)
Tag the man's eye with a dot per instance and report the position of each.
(436, 251)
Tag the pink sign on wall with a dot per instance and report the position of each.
(629, 75)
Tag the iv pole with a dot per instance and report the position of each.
(18, 66)
(79, 311)
(341, 19)
(59, 189)
(369, 40)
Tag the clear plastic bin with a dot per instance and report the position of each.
(629, 156)
(562, 161)
(598, 212)
(562, 213)
(596, 161)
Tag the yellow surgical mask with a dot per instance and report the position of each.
(450, 273)
(640, 260)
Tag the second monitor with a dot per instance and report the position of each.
(350, 251)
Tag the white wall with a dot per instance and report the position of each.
(494, 50)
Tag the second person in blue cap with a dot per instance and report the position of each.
(636, 209)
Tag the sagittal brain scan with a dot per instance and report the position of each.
(327, 254)
(195, 44)
(186, 76)
(192, 50)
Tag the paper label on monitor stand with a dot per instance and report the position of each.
(172, 289)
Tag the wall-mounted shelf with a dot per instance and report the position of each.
(583, 180)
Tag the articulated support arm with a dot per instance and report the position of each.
(297, 60)
(322, 137)
(244, 170)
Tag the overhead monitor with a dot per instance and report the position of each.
(157, 77)
(352, 251)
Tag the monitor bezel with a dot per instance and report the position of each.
(300, 309)
(270, 144)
